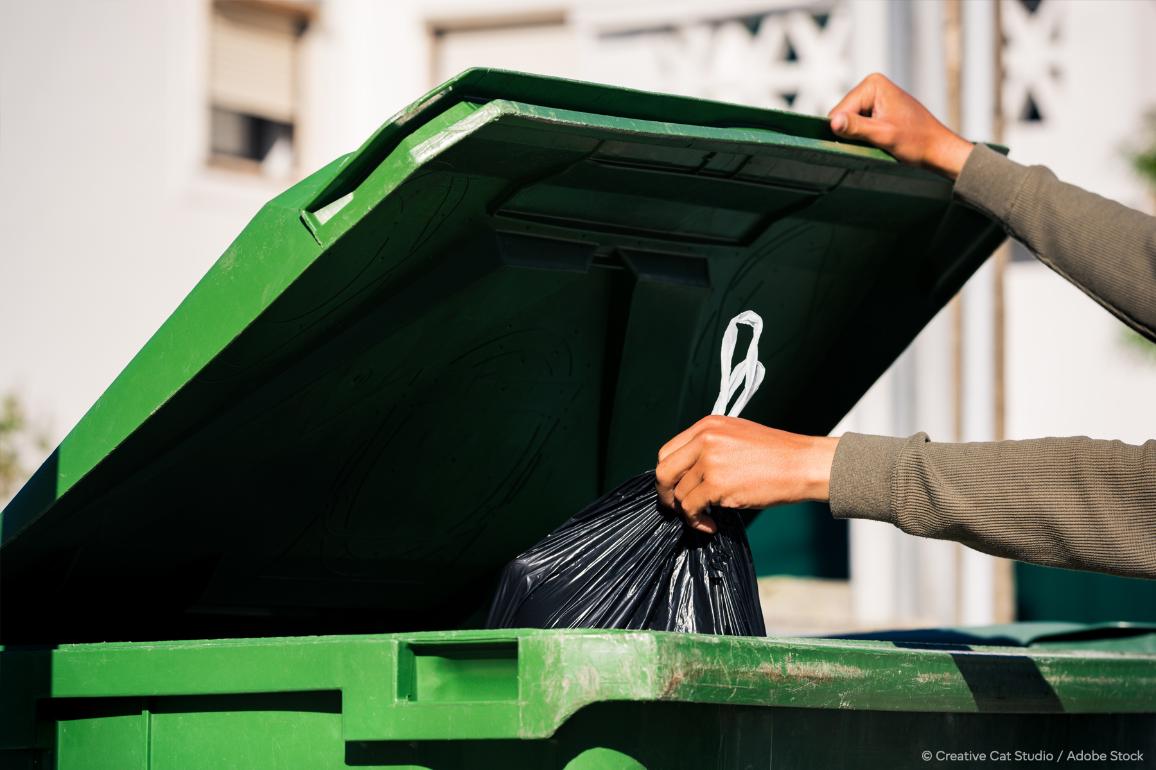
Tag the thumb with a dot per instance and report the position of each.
(851, 126)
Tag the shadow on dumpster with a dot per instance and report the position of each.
(1006, 683)
(998, 683)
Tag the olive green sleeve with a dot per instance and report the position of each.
(1105, 248)
(1075, 502)
(1064, 502)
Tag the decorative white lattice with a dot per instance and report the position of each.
(794, 59)
(1033, 55)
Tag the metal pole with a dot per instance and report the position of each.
(1001, 254)
(953, 55)
(1004, 609)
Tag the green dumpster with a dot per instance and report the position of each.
(419, 360)
(570, 699)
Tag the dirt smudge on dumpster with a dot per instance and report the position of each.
(810, 672)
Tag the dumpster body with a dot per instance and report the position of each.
(576, 699)
(419, 360)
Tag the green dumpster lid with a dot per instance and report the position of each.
(418, 360)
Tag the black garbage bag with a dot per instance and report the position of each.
(627, 561)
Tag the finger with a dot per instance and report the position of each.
(858, 100)
(691, 479)
(696, 509)
(671, 470)
(851, 126)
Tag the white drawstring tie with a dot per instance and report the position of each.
(746, 374)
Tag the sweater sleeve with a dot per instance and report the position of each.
(1062, 502)
(1101, 246)
(1075, 502)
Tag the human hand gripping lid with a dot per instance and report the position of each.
(881, 113)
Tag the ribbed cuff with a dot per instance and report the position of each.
(861, 477)
(990, 182)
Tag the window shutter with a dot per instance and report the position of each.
(548, 48)
(253, 61)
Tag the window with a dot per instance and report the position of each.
(546, 45)
(253, 89)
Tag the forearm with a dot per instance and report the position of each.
(1066, 502)
(1105, 248)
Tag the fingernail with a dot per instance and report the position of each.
(839, 122)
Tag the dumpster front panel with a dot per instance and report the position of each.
(584, 699)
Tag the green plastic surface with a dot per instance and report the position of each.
(530, 698)
(419, 360)
(1046, 593)
(802, 539)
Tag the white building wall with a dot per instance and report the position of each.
(111, 214)
(1071, 369)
